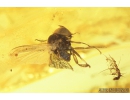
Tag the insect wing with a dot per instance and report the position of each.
(58, 62)
(31, 54)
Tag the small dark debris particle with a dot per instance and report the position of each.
(16, 54)
(11, 70)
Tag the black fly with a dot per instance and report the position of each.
(58, 47)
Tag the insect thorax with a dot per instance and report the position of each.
(60, 45)
(63, 31)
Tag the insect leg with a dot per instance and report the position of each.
(89, 47)
(74, 53)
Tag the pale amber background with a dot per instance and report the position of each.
(107, 27)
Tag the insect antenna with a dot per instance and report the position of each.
(40, 40)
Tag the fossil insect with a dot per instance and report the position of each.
(113, 66)
(59, 48)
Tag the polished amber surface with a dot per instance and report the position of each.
(102, 27)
